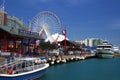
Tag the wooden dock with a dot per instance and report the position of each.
(117, 54)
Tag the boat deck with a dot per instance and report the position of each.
(2, 60)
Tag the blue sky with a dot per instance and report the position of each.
(82, 18)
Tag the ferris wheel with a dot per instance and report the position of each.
(46, 24)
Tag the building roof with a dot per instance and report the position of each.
(16, 27)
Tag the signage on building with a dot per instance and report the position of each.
(5, 53)
(29, 33)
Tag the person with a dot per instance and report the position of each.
(0, 53)
(1, 70)
(19, 52)
(10, 71)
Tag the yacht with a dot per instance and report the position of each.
(116, 49)
(104, 50)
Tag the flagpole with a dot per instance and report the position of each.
(65, 40)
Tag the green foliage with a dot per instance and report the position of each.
(47, 46)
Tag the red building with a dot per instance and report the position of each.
(14, 36)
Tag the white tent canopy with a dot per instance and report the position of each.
(57, 37)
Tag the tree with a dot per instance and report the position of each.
(47, 46)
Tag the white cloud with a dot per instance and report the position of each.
(115, 41)
(68, 3)
(112, 24)
(77, 2)
(115, 26)
(43, 1)
(73, 2)
(31, 2)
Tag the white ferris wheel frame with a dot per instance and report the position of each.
(44, 27)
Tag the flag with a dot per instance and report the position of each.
(13, 23)
(64, 32)
(30, 27)
(2, 7)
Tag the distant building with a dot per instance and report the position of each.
(3, 18)
(92, 42)
(79, 41)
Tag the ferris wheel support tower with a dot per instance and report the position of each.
(45, 30)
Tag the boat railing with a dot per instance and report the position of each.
(22, 65)
(20, 69)
(26, 69)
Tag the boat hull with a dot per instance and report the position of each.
(105, 53)
(25, 77)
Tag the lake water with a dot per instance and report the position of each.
(89, 69)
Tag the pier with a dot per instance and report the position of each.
(58, 59)
(16, 39)
(68, 58)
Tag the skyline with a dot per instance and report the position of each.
(82, 18)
